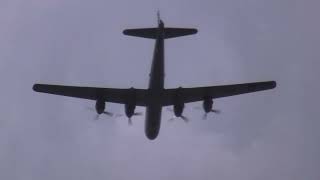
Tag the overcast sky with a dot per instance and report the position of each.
(266, 135)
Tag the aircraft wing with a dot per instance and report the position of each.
(108, 94)
(199, 93)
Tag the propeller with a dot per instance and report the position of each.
(184, 118)
(110, 114)
(216, 111)
(204, 117)
(134, 114)
(129, 118)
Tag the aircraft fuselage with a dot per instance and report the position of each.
(156, 87)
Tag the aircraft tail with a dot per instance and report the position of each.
(152, 33)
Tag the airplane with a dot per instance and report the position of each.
(156, 96)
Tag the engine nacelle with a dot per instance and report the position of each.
(207, 104)
(130, 106)
(178, 105)
(100, 106)
(178, 109)
(129, 110)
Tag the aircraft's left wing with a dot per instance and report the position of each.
(188, 95)
(108, 94)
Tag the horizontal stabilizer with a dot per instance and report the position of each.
(177, 32)
(152, 33)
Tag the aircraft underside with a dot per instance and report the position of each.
(155, 97)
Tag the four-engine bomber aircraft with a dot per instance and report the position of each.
(155, 97)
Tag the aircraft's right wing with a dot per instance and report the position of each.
(188, 95)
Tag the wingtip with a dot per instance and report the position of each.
(273, 84)
(35, 87)
(125, 32)
(195, 31)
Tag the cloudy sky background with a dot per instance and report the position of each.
(266, 135)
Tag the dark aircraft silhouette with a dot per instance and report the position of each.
(155, 97)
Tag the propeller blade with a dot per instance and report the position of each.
(108, 113)
(216, 111)
(97, 117)
(204, 117)
(184, 118)
(105, 112)
(129, 121)
(138, 114)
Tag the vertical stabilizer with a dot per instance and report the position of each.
(152, 33)
(158, 17)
